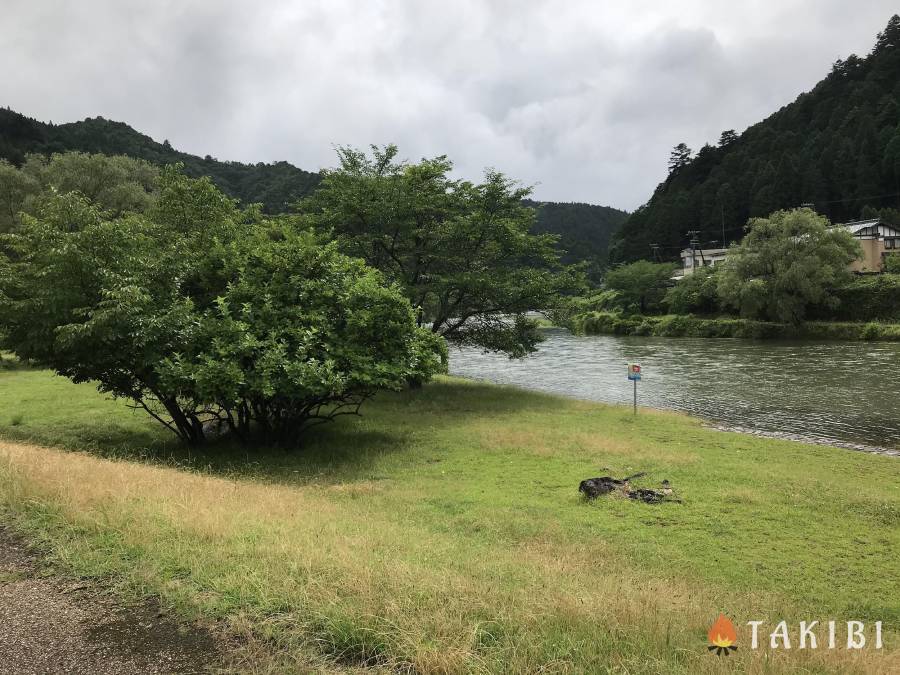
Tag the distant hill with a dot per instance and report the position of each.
(584, 229)
(275, 185)
(836, 147)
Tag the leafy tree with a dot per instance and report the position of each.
(462, 252)
(201, 313)
(640, 285)
(680, 157)
(786, 263)
(695, 293)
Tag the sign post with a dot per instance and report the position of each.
(634, 374)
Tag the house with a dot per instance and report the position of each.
(691, 259)
(877, 239)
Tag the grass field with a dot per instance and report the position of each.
(443, 532)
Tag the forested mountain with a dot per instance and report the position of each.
(584, 229)
(275, 185)
(836, 147)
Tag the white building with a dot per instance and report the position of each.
(691, 259)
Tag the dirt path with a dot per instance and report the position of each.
(48, 625)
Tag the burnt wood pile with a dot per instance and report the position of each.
(592, 488)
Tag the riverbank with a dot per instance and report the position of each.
(676, 325)
(443, 531)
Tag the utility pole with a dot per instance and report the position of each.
(692, 237)
(722, 212)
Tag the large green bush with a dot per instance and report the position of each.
(202, 313)
(864, 298)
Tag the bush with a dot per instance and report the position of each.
(676, 325)
(892, 263)
(695, 293)
(202, 313)
(864, 298)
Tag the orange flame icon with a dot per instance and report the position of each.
(722, 636)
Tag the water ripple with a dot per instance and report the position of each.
(838, 393)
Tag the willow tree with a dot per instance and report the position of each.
(786, 263)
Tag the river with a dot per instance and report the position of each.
(837, 393)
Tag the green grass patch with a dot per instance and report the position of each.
(443, 532)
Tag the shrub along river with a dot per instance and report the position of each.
(837, 393)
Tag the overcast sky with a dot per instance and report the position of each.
(584, 99)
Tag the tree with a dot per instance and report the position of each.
(117, 184)
(461, 252)
(199, 312)
(695, 293)
(641, 285)
(727, 137)
(680, 157)
(785, 263)
(15, 187)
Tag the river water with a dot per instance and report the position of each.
(837, 393)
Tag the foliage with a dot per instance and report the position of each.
(892, 263)
(695, 293)
(786, 263)
(864, 298)
(462, 252)
(202, 313)
(837, 147)
(641, 285)
(681, 325)
(569, 308)
(117, 185)
(15, 187)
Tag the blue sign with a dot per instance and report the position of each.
(634, 371)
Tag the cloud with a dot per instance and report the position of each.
(583, 99)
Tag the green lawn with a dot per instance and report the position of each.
(443, 531)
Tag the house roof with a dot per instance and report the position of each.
(855, 226)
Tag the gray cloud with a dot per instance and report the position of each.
(582, 98)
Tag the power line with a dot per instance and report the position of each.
(856, 199)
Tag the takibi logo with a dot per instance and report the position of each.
(810, 635)
(722, 636)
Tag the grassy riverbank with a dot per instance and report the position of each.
(443, 531)
(676, 325)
